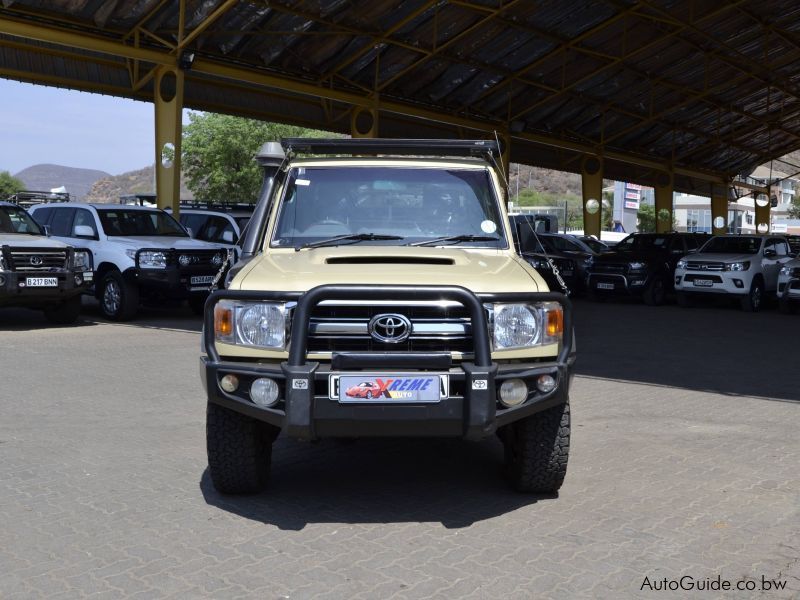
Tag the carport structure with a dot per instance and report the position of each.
(675, 94)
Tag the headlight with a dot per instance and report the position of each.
(738, 266)
(152, 260)
(681, 264)
(131, 254)
(784, 270)
(256, 324)
(539, 263)
(217, 259)
(516, 326)
(81, 261)
(636, 266)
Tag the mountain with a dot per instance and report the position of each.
(46, 177)
(141, 181)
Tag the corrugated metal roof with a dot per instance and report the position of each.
(697, 84)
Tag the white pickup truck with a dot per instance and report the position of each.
(140, 254)
(742, 266)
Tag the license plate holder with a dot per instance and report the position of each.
(703, 283)
(201, 279)
(388, 388)
(41, 281)
(567, 272)
(605, 286)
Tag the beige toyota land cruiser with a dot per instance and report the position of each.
(379, 294)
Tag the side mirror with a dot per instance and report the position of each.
(227, 236)
(46, 229)
(770, 253)
(84, 231)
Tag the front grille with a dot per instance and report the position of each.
(32, 261)
(435, 328)
(196, 259)
(696, 265)
(613, 268)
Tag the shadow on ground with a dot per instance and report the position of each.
(451, 482)
(714, 347)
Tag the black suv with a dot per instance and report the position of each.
(643, 265)
(569, 254)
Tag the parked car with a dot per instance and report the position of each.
(744, 267)
(215, 222)
(794, 244)
(595, 245)
(37, 272)
(392, 268)
(789, 286)
(641, 265)
(569, 255)
(141, 254)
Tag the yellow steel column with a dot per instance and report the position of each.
(719, 209)
(169, 106)
(664, 202)
(364, 122)
(592, 185)
(762, 203)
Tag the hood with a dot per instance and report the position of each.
(477, 270)
(617, 256)
(17, 240)
(165, 242)
(720, 257)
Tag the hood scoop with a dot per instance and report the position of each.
(389, 260)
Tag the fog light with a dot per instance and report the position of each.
(229, 383)
(546, 383)
(78, 280)
(738, 283)
(513, 392)
(264, 392)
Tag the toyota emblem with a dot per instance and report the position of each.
(36, 261)
(389, 328)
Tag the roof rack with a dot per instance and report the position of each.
(218, 205)
(401, 147)
(26, 198)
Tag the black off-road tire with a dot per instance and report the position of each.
(655, 292)
(754, 299)
(239, 450)
(65, 313)
(684, 299)
(119, 299)
(537, 450)
(198, 304)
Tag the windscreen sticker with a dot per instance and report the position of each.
(488, 226)
(302, 182)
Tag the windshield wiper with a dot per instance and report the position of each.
(349, 237)
(456, 239)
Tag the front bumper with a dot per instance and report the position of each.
(305, 409)
(629, 284)
(735, 283)
(789, 288)
(16, 291)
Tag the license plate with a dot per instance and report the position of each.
(605, 286)
(703, 283)
(387, 388)
(567, 273)
(201, 280)
(41, 281)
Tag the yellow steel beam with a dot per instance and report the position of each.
(168, 111)
(719, 209)
(663, 189)
(592, 188)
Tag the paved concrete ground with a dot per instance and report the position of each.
(685, 462)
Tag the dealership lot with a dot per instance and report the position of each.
(684, 463)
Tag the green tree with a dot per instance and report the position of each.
(9, 184)
(794, 209)
(647, 218)
(217, 152)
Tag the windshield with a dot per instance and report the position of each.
(124, 222)
(16, 220)
(595, 245)
(394, 205)
(638, 243)
(732, 245)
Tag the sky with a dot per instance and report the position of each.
(40, 124)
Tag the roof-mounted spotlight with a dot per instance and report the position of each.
(185, 60)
